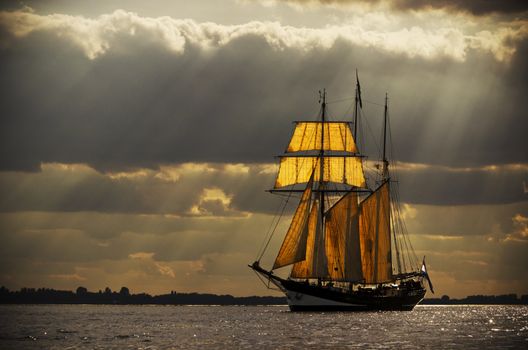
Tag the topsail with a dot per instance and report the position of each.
(307, 137)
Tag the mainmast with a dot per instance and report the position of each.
(321, 160)
(385, 176)
(357, 103)
(385, 161)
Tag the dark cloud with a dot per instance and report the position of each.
(83, 189)
(94, 236)
(476, 7)
(143, 108)
(463, 186)
(475, 259)
(463, 220)
(234, 193)
(175, 8)
(141, 105)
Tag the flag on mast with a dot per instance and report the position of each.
(424, 273)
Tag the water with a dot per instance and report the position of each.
(259, 327)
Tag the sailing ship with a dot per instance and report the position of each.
(345, 233)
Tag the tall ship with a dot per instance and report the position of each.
(347, 246)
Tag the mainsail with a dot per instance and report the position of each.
(342, 239)
(315, 265)
(374, 237)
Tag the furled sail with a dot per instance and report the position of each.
(342, 239)
(374, 237)
(296, 170)
(314, 265)
(307, 137)
(293, 247)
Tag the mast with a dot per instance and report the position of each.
(385, 161)
(386, 177)
(357, 103)
(321, 161)
(356, 108)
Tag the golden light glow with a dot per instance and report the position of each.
(307, 137)
(296, 170)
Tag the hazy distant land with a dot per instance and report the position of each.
(124, 297)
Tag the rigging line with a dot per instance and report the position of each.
(374, 103)
(352, 98)
(361, 131)
(397, 232)
(273, 231)
(407, 255)
(287, 194)
(348, 109)
(269, 231)
(401, 230)
(394, 219)
(371, 134)
(401, 253)
(411, 256)
(404, 241)
(341, 99)
(413, 259)
(265, 284)
(403, 246)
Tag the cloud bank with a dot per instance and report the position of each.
(96, 36)
(229, 190)
(123, 91)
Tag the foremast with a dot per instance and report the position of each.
(321, 161)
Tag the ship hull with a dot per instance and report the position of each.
(303, 297)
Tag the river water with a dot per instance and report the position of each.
(259, 327)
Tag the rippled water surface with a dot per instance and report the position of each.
(259, 327)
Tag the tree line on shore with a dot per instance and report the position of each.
(83, 296)
(124, 297)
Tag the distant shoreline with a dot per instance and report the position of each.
(124, 297)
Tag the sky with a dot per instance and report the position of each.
(138, 139)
